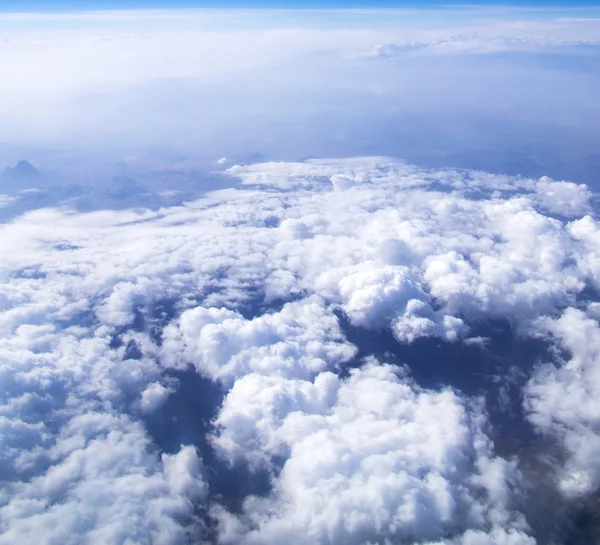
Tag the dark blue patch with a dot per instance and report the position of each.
(186, 419)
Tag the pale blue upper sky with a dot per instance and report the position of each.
(71, 5)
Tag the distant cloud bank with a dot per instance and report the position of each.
(293, 84)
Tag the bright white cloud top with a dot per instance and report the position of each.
(251, 287)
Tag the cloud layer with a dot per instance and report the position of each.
(291, 84)
(250, 287)
(370, 459)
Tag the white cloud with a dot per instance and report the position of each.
(419, 252)
(461, 44)
(368, 459)
(479, 256)
(246, 286)
(563, 400)
(104, 485)
(300, 340)
(154, 396)
(5, 200)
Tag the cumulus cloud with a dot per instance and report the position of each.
(73, 466)
(257, 288)
(498, 253)
(154, 396)
(103, 484)
(369, 459)
(562, 399)
(300, 340)
(252, 287)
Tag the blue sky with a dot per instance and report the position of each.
(66, 5)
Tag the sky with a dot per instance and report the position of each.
(443, 87)
(34, 6)
(314, 277)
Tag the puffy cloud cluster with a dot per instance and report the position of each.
(103, 485)
(479, 245)
(563, 399)
(247, 287)
(369, 459)
(299, 341)
(75, 465)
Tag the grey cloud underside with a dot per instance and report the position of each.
(255, 288)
